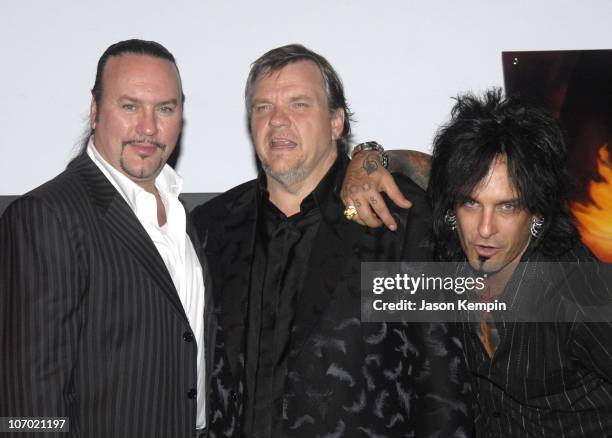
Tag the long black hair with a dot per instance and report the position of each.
(482, 129)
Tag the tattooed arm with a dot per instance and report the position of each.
(366, 178)
(414, 164)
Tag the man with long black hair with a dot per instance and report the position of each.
(498, 189)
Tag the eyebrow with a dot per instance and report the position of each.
(510, 201)
(168, 102)
(257, 100)
(172, 101)
(462, 199)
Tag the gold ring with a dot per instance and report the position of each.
(350, 212)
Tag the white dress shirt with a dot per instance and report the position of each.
(174, 246)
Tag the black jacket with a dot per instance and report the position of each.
(552, 376)
(91, 325)
(345, 378)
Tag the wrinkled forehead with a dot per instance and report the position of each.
(301, 73)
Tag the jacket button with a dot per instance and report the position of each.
(187, 336)
(496, 414)
(234, 396)
(192, 393)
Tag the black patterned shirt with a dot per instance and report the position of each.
(282, 248)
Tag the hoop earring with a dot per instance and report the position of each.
(537, 223)
(451, 220)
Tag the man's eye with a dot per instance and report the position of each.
(166, 109)
(470, 203)
(128, 106)
(300, 105)
(508, 207)
(262, 107)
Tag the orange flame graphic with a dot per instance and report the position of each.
(595, 221)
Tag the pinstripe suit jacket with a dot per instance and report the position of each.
(547, 379)
(91, 325)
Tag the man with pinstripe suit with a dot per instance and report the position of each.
(105, 313)
(498, 188)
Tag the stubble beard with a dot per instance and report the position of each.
(287, 177)
(142, 174)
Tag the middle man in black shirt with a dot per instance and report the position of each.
(294, 358)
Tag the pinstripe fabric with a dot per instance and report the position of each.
(91, 325)
(545, 379)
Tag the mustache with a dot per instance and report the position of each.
(144, 140)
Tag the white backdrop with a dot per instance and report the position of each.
(401, 61)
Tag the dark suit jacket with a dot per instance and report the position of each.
(91, 325)
(345, 378)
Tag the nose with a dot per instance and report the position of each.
(279, 118)
(147, 123)
(487, 226)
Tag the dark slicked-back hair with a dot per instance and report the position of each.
(132, 47)
(480, 131)
(276, 59)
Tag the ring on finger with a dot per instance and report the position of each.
(350, 212)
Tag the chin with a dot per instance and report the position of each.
(284, 164)
(284, 168)
(489, 266)
(141, 173)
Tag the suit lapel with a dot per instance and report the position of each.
(235, 256)
(121, 221)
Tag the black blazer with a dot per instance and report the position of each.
(346, 378)
(91, 325)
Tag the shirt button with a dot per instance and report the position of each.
(192, 393)
(187, 336)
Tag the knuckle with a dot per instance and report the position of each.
(367, 216)
(363, 212)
